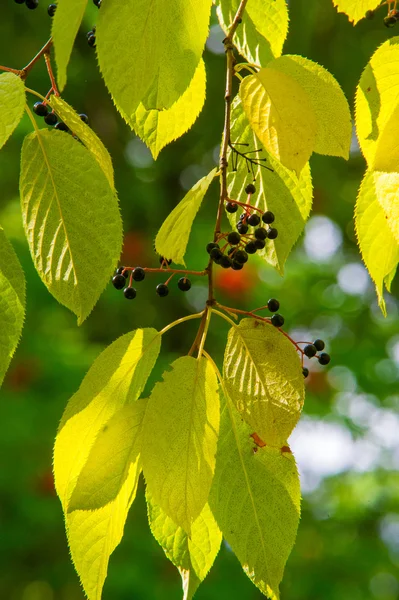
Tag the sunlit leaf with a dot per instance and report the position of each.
(356, 9)
(65, 26)
(12, 104)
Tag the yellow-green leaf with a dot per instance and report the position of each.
(86, 135)
(157, 128)
(172, 238)
(71, 218)
(387, 147)
(149, 51)
(65, 26)
(377, 100)
(356, 9)
(263, 377)
(289, 197)
(193, 556)
(256, 493)
(387, 189)
(12, 104)
(378, 246)
(334, 126)
(281, 114)
(12, 302)
(261, 35)
(180, 433)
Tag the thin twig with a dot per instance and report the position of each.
(29, 66)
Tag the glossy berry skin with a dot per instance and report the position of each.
(231, 207)
(305, 372)
(261, 233)
(51, 119)
(119, 282)
(234, 238)
(273, 305)
(162, 260)
(319, 345)
(272, 233)
(61, 126)
(120, 270)
(242, 228)
(324, 358)
(97, 3)
(277, 320)
(259, 244)
(138, 274)
(389, 21)
(32, 4)
(225, 262)
(84, 118)
(250, 248)
(250, 189)
(310, 350)
(162, 290)
(19, 1)
(91, 40)
(211, 246)
(129, 293)
(40, 109)
(268, 217)
(236, 266)
(184, 284)
(241, 257)
(216, 254)
(253, 220)
(51, 9)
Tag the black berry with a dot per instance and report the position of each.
(242, 228)
(120, 270)
(305, 372)
(241, 257)
(162, 260)
(277, 320)
(51, 119)
(91, 40)
(231, 207)
(272, 233)
(259, 244)
(319, 345)
(225, 262)
(251, 248)
(61, 126)
(19, 1)
(138, 274)
(184, 284)
(84, 118)
(261, 233)
(268, 217)
(370, 14)
(236, 266)
(234, 238)
(253, 220)
(51, 9)
(129, 293)
(162, 290)
(32, 4)
(211, 246)
(216, 254)
(250, 189)
(91, 32)
(273, 305)
(40, 109)
(97, 3)
(324, 358)
(310, 350)
(389, 21)
(119, 282)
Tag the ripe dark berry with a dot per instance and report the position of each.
(324, 358)
(51, 119)
(310, 350)
(277, 320)
(225, 262)
(51, 9)
(91, 40)
(162, 260)
(216, 254)
(162, 290)
(273, 305)
(210, 246)
(319, 345)
(268, 217)
(231, 207)
(19, 1)
(250, 248)
(91, 32)
(184, 284)
(389, 21)
(243, 216)
(119, 282)
(84, 118)
(234, 238)
(138, 274)
(253, 220)
(40, 109)
(370, 14)
(272, 233)
(305, 372)
(250, 189)
(241, 257)
(242, 228)
(61, 126)
(32, 4)
(259, 244)
(236, 266)
(120, 270)
(129, 293)
(97, 3)
(261, 233)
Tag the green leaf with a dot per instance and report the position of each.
(86, 135)
(193, 556)
(149, 51)
(281, 114)
(65, 26)
(387, 189)
(334, 126)
(356, 9)
(114, 382)
(180, 433)
(12, 104)
(172, 238)
(157, 128)
(387, 149)
(71, 218)
(255, 499)
(280, 190)
(379, 249)
(12, 303)
(377, 101)
(263, 376)
(261, 35)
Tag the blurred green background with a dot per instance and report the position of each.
(347, 441)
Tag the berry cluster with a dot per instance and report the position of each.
(389, 21)
(50, 118)
(310, 350)
(29, 3)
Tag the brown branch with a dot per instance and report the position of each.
(50, 73)
(9, 70)
(29, 66)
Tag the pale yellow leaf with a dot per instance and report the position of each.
(356, 9)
